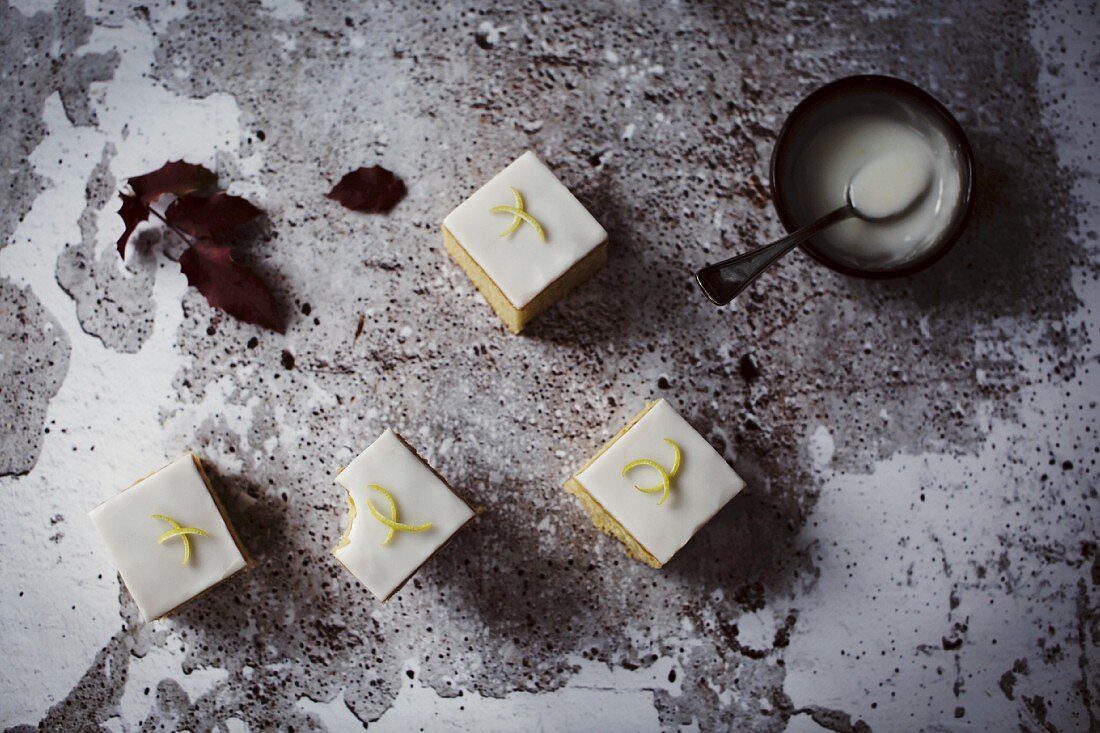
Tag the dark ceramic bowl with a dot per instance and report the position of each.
(830, 102)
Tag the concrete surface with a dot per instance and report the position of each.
(917, 546)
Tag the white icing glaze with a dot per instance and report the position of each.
(703, 485)
(420, 496)
(521, 264)
(154, 573)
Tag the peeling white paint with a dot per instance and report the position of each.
(821, 447)
(105, 419)
(145, 673)
(596, 698)
(284, 9)
(870, 593)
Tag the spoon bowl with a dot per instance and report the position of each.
(890, 186)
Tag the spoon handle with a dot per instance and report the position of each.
(723, 281)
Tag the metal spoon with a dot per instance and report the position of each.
(723, 281)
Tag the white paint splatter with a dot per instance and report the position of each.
(596, 698)
(756, 630)
(235, 725)
(284, 9)
(491, 33)
(821, 447)
(286, 41)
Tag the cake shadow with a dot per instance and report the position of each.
(590, 315)
(607, 310)
(230, 607)
(749, 548)
(521, 589)
(629, 298)
(735, 550)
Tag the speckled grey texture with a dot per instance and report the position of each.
(35, 356)
(661, 118)
(113, 306)
(39, 58)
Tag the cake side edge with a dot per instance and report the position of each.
(581, 272)
(225, 516)
(489, 290)
(607, 524)
(601, 518)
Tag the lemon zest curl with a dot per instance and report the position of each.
(391, 521)
(519, 215)
(178, 530)
(665, 487)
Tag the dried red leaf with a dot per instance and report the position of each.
(133, 211)
(211, 216)
(176, 177)
(373, 190)
(229, 285)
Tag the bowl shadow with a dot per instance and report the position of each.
(1014, 258)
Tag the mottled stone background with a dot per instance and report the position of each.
(917, 548)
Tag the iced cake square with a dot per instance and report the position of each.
(169, 538)
(524, 240)
(401, 512)
(655, 484)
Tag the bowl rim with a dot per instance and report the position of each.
(894, 84)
